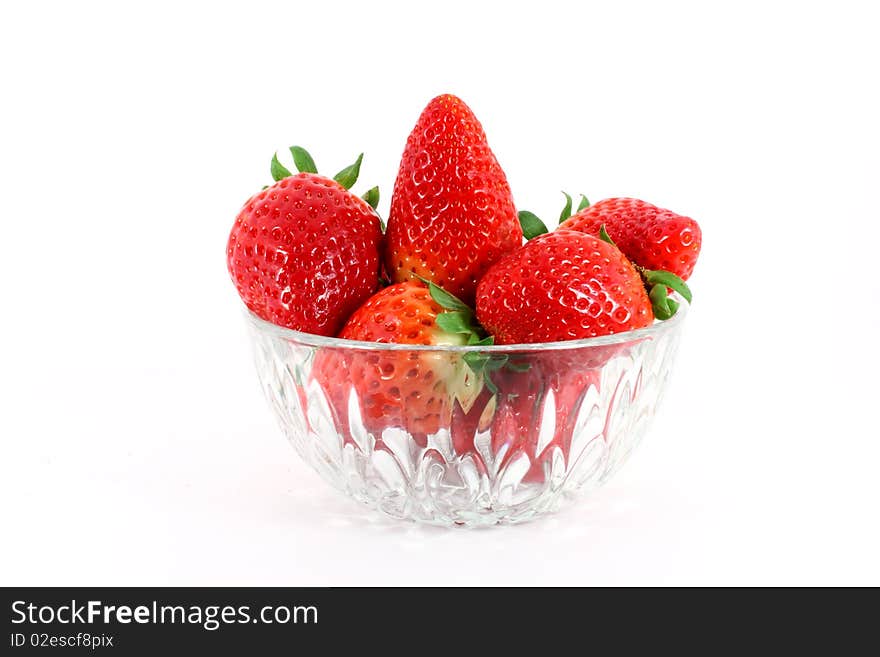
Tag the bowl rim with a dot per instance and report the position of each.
(659, 327)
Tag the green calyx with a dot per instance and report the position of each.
(455, 321)
(484, 364)
(566, 210)
(303, 161)
(445, 299)
(306, 164)
(372, 197)
(667, 279)
(349, 175)
(605, 237)
(657, 282)
(663, 306)
(459, 318)
(278, 170)
(532, 225)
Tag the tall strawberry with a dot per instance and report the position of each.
(452, 212)
(304, 252)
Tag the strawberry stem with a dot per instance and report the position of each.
(667, 279)
(657, 283)
(660, 302)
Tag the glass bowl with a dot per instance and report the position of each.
(414, 432)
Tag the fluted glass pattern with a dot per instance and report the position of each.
(415, 433)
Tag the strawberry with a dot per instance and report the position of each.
(452, 212)
(418, 391)
(304, 253)
(563, 285)
(521, 426)
(515, 424)
(649, 236)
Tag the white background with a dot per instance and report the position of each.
(136, 446)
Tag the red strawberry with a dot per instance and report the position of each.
(563, 285)
(514, 428)
(452, 213)
(304, 253)
(416, 391)
(649, 236)
(520, 426)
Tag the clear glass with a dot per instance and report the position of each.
(411, 431)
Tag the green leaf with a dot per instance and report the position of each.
(518, 366)
(532, 226)
(349, 175)
(660, 302)
(566, 211)
(604, 236)
(303, 161)
(444, 299)
(372, 197)
(584, 204)
(278, 170)
(455, 322)
(480, 361)
(668, 279)
(476, 361)
(483, 364)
